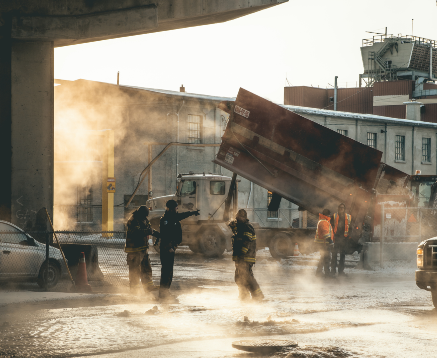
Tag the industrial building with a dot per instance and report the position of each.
(396, 71)
(112, 131)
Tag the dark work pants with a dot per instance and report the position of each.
(139, 268)
(167, 263)
(324, 258)
(245, 280)
(339, 248)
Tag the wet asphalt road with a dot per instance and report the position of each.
(377, 313)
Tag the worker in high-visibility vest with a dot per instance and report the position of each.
(340, 222)
(324, 239)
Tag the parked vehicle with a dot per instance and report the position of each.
(426, 273)
(24, 258)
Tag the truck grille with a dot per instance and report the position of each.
(431, 256)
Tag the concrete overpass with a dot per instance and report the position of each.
(29, 32)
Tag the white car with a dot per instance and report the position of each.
(24, 258)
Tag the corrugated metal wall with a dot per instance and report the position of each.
(305, 96)
(390, 111)
(355, 100)
(394, 88)
(430, 114)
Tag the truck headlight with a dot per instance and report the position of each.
(419, 258)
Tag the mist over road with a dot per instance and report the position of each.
(378, 313)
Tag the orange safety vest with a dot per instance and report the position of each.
(324, 230)
(347, 220)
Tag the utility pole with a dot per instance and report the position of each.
(335, 93)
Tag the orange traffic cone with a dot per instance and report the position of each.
(296, 250)
(81, 282)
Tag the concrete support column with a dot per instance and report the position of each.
(5, 127)
(31, 134)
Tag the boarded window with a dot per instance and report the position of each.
(194, 128)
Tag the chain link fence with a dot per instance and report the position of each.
(24, 256)
(402, 224)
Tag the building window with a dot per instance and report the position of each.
(271, 214)
(194, 128)
(342, 131)
(84, 205)
(400, 148)
(371, 140)
(426, 150)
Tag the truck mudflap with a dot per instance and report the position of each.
(302, 161)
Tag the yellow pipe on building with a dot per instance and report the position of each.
(108, 180)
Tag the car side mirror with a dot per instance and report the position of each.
(30, 241)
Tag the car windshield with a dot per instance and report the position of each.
(12, 235)
(188, 188)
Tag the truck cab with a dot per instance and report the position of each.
(206, 233)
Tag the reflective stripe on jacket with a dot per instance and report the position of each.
(324, 234)
(243, 241)
(347, 220)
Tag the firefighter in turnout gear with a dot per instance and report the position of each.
(340, 223)
(137, 244)
(171, 237)
(324, 238)
(244, 252)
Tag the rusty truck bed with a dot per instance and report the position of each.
(302, 161)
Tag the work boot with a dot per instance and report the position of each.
(319, 273)
(258, 295)
(135, 290)
(243, 294)
(342, 273)
(166, 297)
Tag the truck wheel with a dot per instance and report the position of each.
(434, 297)
(211, 243)
(281, 246)
(194, 246)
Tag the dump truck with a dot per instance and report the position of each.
(294, 158)
(304, 162)
(216, 196)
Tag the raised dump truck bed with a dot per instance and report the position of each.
(298, 159)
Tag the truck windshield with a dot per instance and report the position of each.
(188, 188)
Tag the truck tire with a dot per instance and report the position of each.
(211, 242)
(281, 246)
(194, 246)
(434, 297)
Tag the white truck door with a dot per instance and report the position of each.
(188, 195)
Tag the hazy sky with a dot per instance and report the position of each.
(308, 42)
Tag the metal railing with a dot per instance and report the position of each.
(410, 38)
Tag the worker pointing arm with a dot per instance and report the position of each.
(171, 237)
